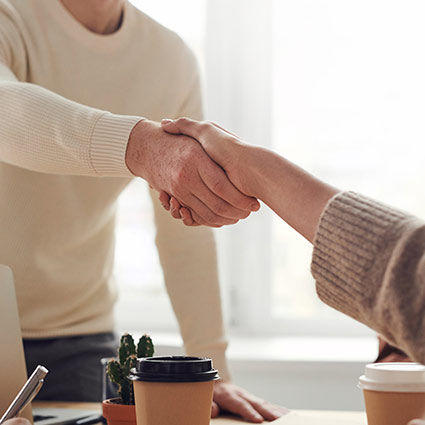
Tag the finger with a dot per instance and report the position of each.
(198, 220)
(214, 176)
(18, 421)
(202, 214)
(217, 205)
(416, 422)
(225, 130)
(267, 410)
(178, 126)
(175, 208)
(187, 218)
(215, 410)
(216, 180)
(241, 407)
(164, 198)
(185, 126)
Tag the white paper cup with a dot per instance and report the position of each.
(394, 393)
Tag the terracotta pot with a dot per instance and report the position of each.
(118, 414)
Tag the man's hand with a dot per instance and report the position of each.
(223, 147)
(233, 399)
(179, 166)
(17, 421)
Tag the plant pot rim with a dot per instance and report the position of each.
(116, 411)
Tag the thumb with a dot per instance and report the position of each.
(184, 126)
(215, 410)
(170, 126)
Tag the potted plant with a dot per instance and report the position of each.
(121, 410)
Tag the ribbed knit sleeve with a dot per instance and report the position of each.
(369, 263)
(42, 131)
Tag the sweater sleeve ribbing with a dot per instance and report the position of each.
(369, 263)
(44, 132)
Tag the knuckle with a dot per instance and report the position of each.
(217, 186)
(221, 208)
(198, 219)
(204, 126)
(210, 218)
(180, 177)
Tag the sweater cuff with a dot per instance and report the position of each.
(351, 237)
(218, 356)
(108, 144)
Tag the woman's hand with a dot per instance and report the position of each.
(223, 147)
(178, 165)
(295, 195)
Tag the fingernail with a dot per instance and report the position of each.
(166, 121)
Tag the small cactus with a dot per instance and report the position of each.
(118, 370)
(145, 347)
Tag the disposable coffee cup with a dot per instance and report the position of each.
(173, 390)
(394, 393)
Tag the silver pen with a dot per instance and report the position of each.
(27, 394)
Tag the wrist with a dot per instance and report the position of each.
(255, 161)
(136, 156)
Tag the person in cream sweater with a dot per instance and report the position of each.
(81, 86)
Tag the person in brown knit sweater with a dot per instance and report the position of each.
(368, 258)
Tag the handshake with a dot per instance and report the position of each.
(198, 168)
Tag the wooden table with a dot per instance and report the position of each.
(359, 418)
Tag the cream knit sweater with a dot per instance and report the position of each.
(69, 99)
(369, 263)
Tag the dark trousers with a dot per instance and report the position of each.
(75, 372)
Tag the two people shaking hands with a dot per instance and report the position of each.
(211, 177)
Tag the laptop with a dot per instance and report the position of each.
(13, 373)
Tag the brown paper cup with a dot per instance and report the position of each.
(171, 403)
(393, 408)
(173, 390)
(394, 393)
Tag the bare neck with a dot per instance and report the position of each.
(99, 16)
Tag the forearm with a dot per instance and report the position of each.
(369, 263)
(295, 195)
(44, 132)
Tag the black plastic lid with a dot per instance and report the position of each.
(174, 369)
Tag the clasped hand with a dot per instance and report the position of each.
(176, 165)
(224, 148)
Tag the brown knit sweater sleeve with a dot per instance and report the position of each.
(369, 263)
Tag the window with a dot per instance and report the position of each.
(348, 106)
(143, 303)
(336, 87)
